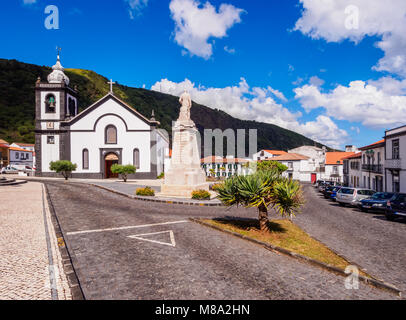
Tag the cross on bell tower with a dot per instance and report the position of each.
(111, 85)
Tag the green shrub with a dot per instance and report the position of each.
(147, 191)
(201, 195)
(161, 176)
(124, 171)
(63, 167)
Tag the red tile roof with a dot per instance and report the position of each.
(336, 157)
(291, 157)
(19, 149)
(25, 144)
(353, 156)
(377, 144)
(276, 152)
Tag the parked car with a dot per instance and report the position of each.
(352, 196)
(9, 170)
(396, 207)
(333, 195)
(377, 202)
(327, 191)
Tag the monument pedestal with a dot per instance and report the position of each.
(185, 174)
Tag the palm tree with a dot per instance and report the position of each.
(262, 189)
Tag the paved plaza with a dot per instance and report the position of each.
(127, 249)
(30, 262)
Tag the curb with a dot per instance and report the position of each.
(14, 183)
(152, 199)
(374, 282)
(73, 280)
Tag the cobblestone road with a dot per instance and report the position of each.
(367, 239)
(204, 264)
(24, 255)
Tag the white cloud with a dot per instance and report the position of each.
(197, 23)
(376, 104)
(136, 6)
(229, 50)
(326, 19)
(316, 81)
(258, 104)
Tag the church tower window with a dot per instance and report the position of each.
(85, 159)
(111, 135)
(137, 158)
(50, 104)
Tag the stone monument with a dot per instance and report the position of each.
(185, 174)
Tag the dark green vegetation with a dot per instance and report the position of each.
(123, 170)
(17, 106)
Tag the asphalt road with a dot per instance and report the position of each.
(108, 235)
(367, 239)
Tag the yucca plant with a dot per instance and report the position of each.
(261, 190)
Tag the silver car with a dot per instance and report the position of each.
(352, 196)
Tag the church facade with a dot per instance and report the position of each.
(106, 133)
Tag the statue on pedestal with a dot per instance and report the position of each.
(185, 174)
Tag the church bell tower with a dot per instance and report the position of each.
(55, 103)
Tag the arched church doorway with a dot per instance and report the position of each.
(109, 160)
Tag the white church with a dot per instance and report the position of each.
(107, 132)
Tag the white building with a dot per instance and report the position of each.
(395, 160)
(267, 154)
(298, 165)
(352, 170)
(373, 166)
(225, 167)
(108, 132)
(333, 169)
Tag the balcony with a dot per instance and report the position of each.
(375, 168)
(393, 164)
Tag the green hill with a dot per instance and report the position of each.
(17, 106)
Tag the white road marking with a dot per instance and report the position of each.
(140, 237)
(125, 228)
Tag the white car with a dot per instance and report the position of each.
(352, 196)
(8, 169)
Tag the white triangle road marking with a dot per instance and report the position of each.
(140, 237)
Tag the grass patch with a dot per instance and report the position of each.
(286, 235)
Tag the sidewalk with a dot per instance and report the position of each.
(30, 261)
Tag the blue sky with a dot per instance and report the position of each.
(284, 62)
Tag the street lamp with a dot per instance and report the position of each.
(370, 154)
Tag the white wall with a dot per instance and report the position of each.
(93, 141)
(49, 152)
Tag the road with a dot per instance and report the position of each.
(119, 252)
(367, 239)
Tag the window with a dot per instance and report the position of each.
(50, 104)
(395, 149)
(395, 182)
(17, 155)
(137, 158)
(51, 140)
(290, 165)
(111, 135)
(85, 159)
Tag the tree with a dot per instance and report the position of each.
(63, 167)
(270, 165)
(262, 189)
(123, 170)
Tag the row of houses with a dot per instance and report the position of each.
(16, 154)
(380, 166)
